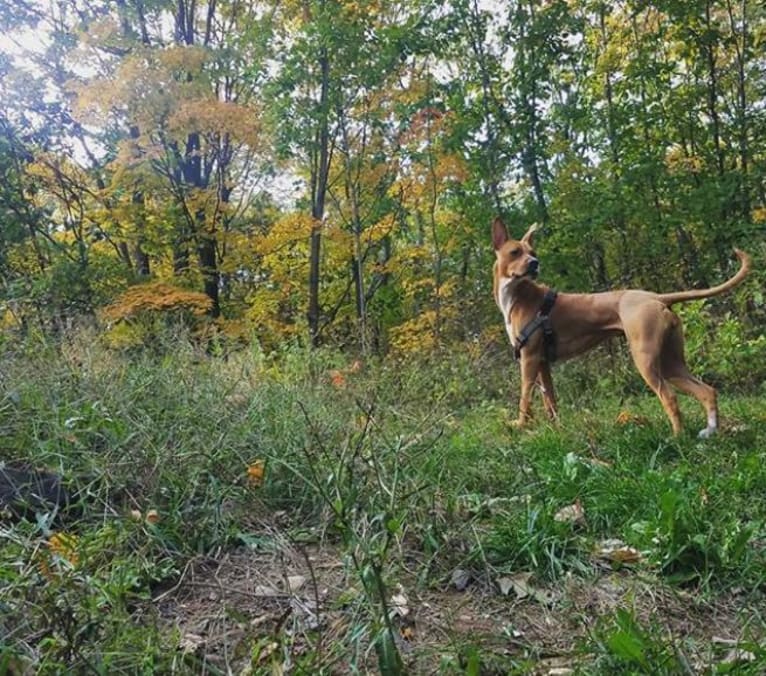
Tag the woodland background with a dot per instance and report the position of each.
(326, 171)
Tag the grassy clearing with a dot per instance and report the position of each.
(395, 501)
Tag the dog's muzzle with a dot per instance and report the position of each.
(533, 267)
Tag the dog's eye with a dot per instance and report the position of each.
(533, 253)
(515, 252)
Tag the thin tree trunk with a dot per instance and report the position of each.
(712, 91)
(477, 39)
(319, 179)
(351, 187)
(627, 260)
(530, 156)
(709, 48)
(740, 48)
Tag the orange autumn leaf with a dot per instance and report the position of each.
(255, 472)
(337, 379)
(628, 418)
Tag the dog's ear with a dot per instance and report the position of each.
(499, 233)
(527, 238)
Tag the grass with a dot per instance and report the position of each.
(379, 485)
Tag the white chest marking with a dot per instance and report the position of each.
(505, 301)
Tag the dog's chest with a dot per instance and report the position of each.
(505, 302)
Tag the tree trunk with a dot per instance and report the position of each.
(530, 155)
(319, 178)
(208, 263)
(741, 107)
(618, 215)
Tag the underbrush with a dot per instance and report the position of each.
(409, 469)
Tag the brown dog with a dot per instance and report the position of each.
(572, 323)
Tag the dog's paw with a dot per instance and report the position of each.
(519, 423)
(707, 432)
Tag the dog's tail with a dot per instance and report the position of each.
(696, 294)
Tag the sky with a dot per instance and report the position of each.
(27, 40)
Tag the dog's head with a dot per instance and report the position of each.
(516, 258)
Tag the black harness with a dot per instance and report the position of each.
(542, 321)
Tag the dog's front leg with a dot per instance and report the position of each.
(530, 367)
(545, 383)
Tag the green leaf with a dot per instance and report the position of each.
(627, 646)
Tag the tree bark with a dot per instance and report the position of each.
(320, 173)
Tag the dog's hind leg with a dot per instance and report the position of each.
(662, 389)
(646, 334)
(705, 394)
(675, 370)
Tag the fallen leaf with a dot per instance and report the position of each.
(255, 472)
(337, 379)
(460, 579)
(574, 514)
(399, 604)
(628, 418)
(190, 643)
(738, 656)
(295, 583)
(152, 516)
(307, 612)
(519, 583)
(265, 590)
(598, 462)
(625, 555)
(268, 650)
(258, 621)
(617, 551)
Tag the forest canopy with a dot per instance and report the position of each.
(326, 171)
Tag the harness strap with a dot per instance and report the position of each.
(542, 320)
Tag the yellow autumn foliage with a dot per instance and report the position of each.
(415, 335)
(277, 302)
(678, 161)
(61, 554)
